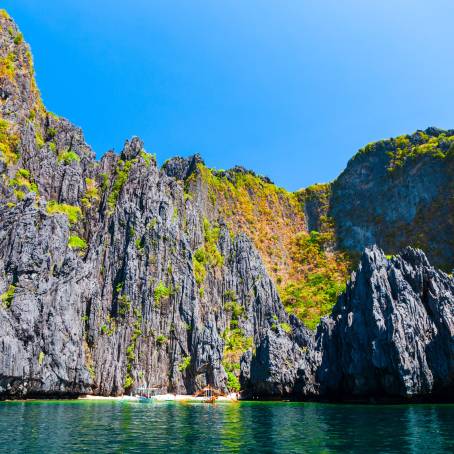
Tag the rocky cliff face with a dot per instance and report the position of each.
(399, 192)
(112, 274)
(390, 335)
(116, 274)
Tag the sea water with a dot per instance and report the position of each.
(259, 427)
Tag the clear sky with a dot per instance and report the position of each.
(288, 88)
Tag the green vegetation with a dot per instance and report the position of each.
(22, 180)
(152, 224)
(77, 243)
(286, 327)
(235, 344)
(436, 147)
(51, 133)
(91, 371)
(72, 212)
(7, 66)
(403, 148)
(174, 218)
(147, 157)
(184, 364)
(121, 176)
(128, 381)
(320, 277)
(105, 181)
(24, 173)
(207, 256)
(269, 215)
(160, 292)
(235, 308)
(233, 383)
(39, 138)
(91, 195)
(198, 261)
(19, 194)
(161, 339)
(230, 295)
(67, 157)
(7, 297)
(124, 305)
(109, 327)
(4, 14)
(139, 245)
(9, 143)
(130, 351)
(18, 39)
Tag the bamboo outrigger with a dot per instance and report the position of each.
(209, 394)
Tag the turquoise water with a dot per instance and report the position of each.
(261, 427)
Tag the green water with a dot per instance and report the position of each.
(114, 427)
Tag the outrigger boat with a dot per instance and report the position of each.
(146, 395)
(208, 394)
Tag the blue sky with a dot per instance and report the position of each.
(290, 89)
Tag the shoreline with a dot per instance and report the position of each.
(233, 398)
(159, 398)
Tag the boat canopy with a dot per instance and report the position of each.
(147, 392)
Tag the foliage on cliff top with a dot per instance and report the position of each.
(269, 215)
(4, 14)
(433, 142)
(319, 190)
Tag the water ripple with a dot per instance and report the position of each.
(114, 427)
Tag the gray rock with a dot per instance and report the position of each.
(182, 168)
(391, 333)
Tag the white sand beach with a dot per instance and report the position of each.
(162, 398)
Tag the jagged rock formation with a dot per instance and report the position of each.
(116, 274)
(391, 334)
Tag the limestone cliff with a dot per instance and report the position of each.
(115, 273)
